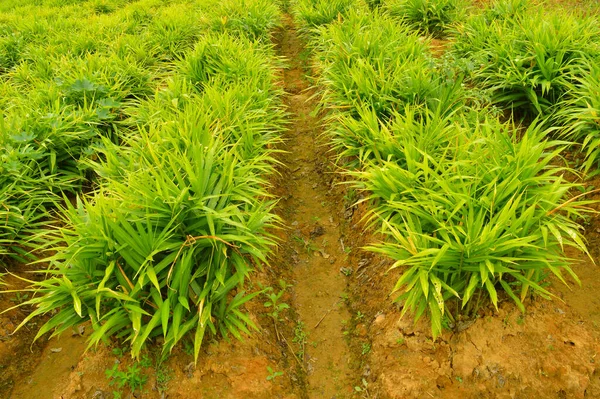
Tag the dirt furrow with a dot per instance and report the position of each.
(314, 245)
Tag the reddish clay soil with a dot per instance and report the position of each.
(224, 370)
(18, 355)
(317, 244)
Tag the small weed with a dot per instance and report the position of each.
(308, 245)
(364, 388)
(447, 323)
(19, 298)
(366, 348)
(273, 300)
(350, 197)
(273, 374)
(132, 378)
(188, 347)
(163, 376)
(586, 220)
(305, 56)
(300, 338)
(145, 362)
(119, 352)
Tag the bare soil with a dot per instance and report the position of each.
(314, 244)
(18, 355)
(225, 370)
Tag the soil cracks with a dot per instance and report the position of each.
(313, 247)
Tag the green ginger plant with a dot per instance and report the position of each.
(172, 31)
(63, 94)
(431, 17)
(507, 9)
(46, 137)
(160, 248)
(310, 14)
(579, 114)
(180, 215)
(359, 59)
(254, 19)
(468, 207)
(528, 61)
(491, 213)
(374, 107)
(367, 139)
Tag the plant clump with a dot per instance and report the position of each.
(179, 212)
(470, 207)
(431, 17)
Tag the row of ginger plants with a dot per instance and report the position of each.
(171, 123)
(73, 75)
(470, 207)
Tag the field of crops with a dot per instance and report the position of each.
(299, 198)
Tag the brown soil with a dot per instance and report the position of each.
(225, 369)
(439, 46)
(18, 356)
(314, 247)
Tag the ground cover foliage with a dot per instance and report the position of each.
(432, 17)
(539, 63)
(166, 116)
(469, 205)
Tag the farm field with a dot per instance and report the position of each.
(299, 199)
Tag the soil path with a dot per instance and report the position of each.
(314, 245)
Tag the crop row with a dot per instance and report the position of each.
(73, 75)
(468, 206)
(168, 115)
(538, 63)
